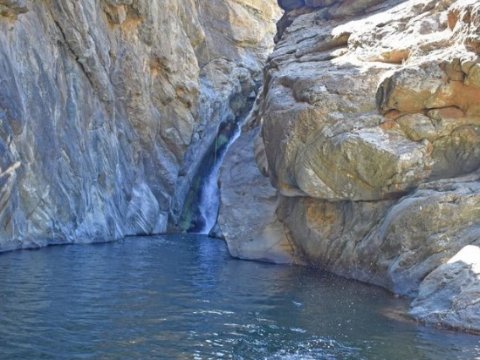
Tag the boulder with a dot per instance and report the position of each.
(449, 295)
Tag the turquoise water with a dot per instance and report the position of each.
(183, 297)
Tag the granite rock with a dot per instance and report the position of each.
(370, 127)
(101, 102)
(450, 294)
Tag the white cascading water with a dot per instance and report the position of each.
(210, 198)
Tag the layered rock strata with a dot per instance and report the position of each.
(100, 102)
(370, 125)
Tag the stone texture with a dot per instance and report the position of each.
(332, 8)
(260, 235)
(394, 244)
(450, 295)
(370, 127)
(323, 99)
(366, 164)
(12, 8)
(100, 102)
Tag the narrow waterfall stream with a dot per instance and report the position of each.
(209, 193)
(201, 208)
(210, 197)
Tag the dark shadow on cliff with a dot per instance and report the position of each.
(221, 109)
(192, 219)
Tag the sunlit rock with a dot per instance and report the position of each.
(247, 213)
(450, 295)
(370, 130)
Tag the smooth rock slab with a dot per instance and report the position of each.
(450, 295)
(367, 164)
(247, 212)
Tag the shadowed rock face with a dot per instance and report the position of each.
(370, 129)
(102, 101)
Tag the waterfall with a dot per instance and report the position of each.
(210, 197)
(200, 211)
(200, 208)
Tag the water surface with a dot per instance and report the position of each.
(183, 297)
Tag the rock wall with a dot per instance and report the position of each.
(100, 102)
(370, 124)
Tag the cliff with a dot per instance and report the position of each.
(103, 103)
(369, 134)
(361, 155)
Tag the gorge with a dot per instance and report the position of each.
(344, 135)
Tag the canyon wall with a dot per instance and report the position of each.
(369, 134)
(105, 106)
(361, 156)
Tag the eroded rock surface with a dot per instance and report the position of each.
(247, 198)
(100, 101)
(370, 123)
(450, 295)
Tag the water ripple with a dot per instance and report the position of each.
(183, 297)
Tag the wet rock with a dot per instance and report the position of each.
(291, 4)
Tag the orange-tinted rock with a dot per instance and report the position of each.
(374, 142)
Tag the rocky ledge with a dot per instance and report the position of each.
(369, 134)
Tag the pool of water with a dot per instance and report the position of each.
(183, 297)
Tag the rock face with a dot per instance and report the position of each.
(101, 101)
(260, 235)
(370, 121)
(449, 295)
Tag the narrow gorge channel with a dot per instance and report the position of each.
(200, 210)
(248, 179)
(200, 214)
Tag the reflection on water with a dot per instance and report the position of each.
(183, 297)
